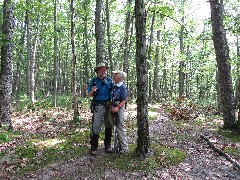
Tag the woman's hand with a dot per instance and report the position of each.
(115, 109)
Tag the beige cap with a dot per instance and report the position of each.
(101, 64)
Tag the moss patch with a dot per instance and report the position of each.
(4, 137)
(162, 156)
(39, 152)
(230, 135)
(233, 151)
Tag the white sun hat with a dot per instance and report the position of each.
(121, 73)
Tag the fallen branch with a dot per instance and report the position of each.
(221, 153)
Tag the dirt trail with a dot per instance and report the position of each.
(201, 162)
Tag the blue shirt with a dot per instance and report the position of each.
(104, 88)
(119, 93)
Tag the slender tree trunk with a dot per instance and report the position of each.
(99, 32)
(18, 74)
(182, 64)
(87, 63)
(126, 37)
(155, 91)
(74, 72)
(65, 73)
(6, 75)
(141, 63)
(33, 63)
(55, 54)
(29, 50)
(224, 68)
(165, 92)
(109, 36)
(127, 59)
(187, 86)
(59, 65)
(149, 60)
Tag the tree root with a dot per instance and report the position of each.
(221, 153)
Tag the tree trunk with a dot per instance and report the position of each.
(87, 63)
(155, 91)
(99, 32)
(141, 63)
(164, 78)
(181, 73)
(149, 60)
(33, 63)
(29, 50)
(224, 68)
(18, 74)
(55, 54)
(126, 37)
(109, 37)
(237, 94)
(6, 76)
(74, 71)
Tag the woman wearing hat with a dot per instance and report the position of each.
(119, 98)
(99, 88)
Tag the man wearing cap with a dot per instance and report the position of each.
(119, 98)
(99, 88)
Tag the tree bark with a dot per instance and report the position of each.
(109, 36)
(87, 52)
(99, 32)
(128, 21)
(6, 76)
(156, 89)
(18, 74)
(29, 50)
(223, 65)
(55, 54)
(150, 60)
(237, 94)
(33, 63)
(74, 70)
(181, 73)
(141, 64)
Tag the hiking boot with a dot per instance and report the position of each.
(108, 148)
(94, 144)
(93, 153)
(116, 149)
(123, 151)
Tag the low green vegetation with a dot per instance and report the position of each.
(39, 152)
(4, 137)
(22, 102)
(161, 156)
(234, 151)
(231, 148)
(230, 135)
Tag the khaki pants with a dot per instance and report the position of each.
(120, 129)
(101, 114)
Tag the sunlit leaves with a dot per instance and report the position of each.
(163, 9)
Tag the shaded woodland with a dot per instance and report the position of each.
(181, 54)
(179, 49)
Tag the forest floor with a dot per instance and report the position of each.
(201, 161)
